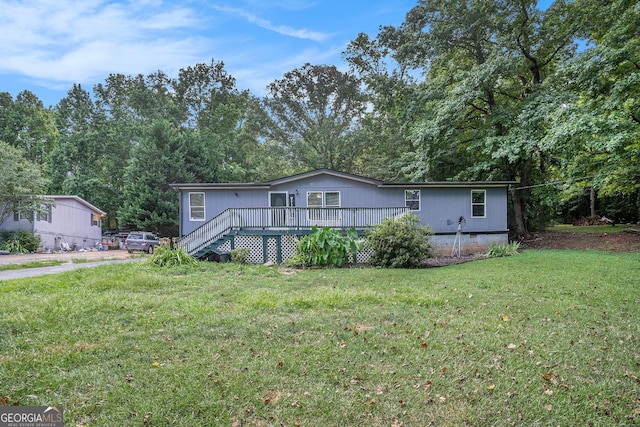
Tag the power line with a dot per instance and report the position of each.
(553, 183)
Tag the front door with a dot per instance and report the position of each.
(278, 216)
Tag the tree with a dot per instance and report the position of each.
(157, 161)
(599, 126)
(313, 110)
(27, 125)
(22, 184)
(480, 111)
(390, 80)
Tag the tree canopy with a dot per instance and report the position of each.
(477, 90)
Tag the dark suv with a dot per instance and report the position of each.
(141, 241)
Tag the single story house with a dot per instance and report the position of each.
(271, 217)
(67, 223)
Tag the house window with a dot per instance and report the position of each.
(412, 199)
(327, 199)
(21, 216)
(95, 220)
(196, 207)
(45, 214)
(478, 203)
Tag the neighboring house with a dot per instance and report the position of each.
(270, 217)
(67, 223)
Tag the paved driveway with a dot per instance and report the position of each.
(92, 258)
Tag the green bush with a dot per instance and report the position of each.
(399, 243)
(19, 242)
(503, 249)
(165, 257)
(240, 255)
(328, 247)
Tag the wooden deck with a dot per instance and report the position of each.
(284, 219)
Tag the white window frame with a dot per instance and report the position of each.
(407, 200)
(321, 215)
(474, 204)
(192, 207)
(95, 220)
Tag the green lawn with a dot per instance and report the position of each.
(543, 338)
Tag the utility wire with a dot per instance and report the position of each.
(553, 183)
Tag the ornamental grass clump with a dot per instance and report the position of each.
(399, 243)
(165, 257)
(497, 250)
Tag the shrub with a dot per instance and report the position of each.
(165, 257)
(503, 249)
(240, 255)
(399, 243)
(19, 242)
(328, 247)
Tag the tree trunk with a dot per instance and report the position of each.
(592, 202)
(520, 227)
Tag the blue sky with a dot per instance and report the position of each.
(47, 45)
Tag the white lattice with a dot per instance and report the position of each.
(289, 246)
(225, 247)
(254, 244)
(272, 249)
(362, 257)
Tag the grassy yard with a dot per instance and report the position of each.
(543, 338)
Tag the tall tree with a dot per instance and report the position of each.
(89, 161)
(157, 161)
(599, 126)
(313, 110)
(26, 124)
(485, 92)
(22, 184)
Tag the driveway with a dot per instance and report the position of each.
(88, 258)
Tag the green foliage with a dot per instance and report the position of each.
(313, 110)
(399, 243)
(240, 255)
(497, 250)
(19, 242)
(22, 181)
(165, 257)
(328, 247)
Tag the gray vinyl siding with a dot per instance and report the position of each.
(440, 207)
(70, 223)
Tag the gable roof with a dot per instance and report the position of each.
(56, 198)
(381, 184)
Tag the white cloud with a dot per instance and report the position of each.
(284, 30)
(69, 41)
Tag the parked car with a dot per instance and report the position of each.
(141, 241)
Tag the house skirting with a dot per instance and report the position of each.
(278, 246)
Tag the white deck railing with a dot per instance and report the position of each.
(284, 219)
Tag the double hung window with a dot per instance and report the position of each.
(320, 200)
(196, 207)
(478, 203)
(412, 199)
